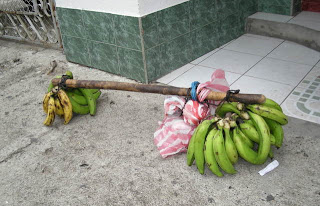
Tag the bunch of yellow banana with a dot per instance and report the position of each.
(64, 102)
(57, 102)
(236, 130)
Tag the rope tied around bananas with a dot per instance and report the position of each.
(62, 84)
(195, 95)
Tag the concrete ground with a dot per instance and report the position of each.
(110, 159)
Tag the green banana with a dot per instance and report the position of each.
(78, 108)
(245, 139)
(264, 136)
(273, 104)
(269, 112)
(77, 98)
(243, 149)
(250, 131)
(76, 91)
(272, 139)
(219, 151)
(271, 155)
(91, 101)
(249, 121)
(190, 151)
(226, 107)
(199, 141)
(277, 131)
(209, 156)
(51, 85)
(69, 74)
(231, 149)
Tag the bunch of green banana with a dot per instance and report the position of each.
(235, 132)
(211, 144)
(83, 100)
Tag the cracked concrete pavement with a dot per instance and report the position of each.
(110, 159)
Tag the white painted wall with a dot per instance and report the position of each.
(122, 7)
(149, 6)
(136, 8)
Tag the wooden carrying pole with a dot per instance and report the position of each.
(166, 90)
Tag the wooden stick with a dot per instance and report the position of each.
(166, 90)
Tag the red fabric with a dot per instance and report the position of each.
(311, 5)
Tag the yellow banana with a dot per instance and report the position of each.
(58, 107)
(66, 106)
(45, 101)
(51, 112)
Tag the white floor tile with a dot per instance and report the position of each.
(296, 53)
(276, 91)
(253, 45)
(172, 75)
(200, 74)
(231, 61)
(225, 44)
(318, 64)
(280, 71)
(263, 37)
(271, 17)
(306, 23)
(200, 59)
(308, 15)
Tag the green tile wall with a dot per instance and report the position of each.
(275, 6)
(169, 38)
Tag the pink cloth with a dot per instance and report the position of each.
(181, 118)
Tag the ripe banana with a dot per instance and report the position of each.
(91, 101)
(269, 112)
(66, 106)
(220, 153)
(273, 104)
(277, 131)
(51, 112)
(264, 137)
(226, 107)
(58, 107)
(199, 141)
(45, 101)
(243, 149)
(209, 156)
(231, 149)
(250, 131)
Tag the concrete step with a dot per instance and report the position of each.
(284, 27)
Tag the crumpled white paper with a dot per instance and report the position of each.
(269, 167)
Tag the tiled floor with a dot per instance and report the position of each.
(284, 71)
